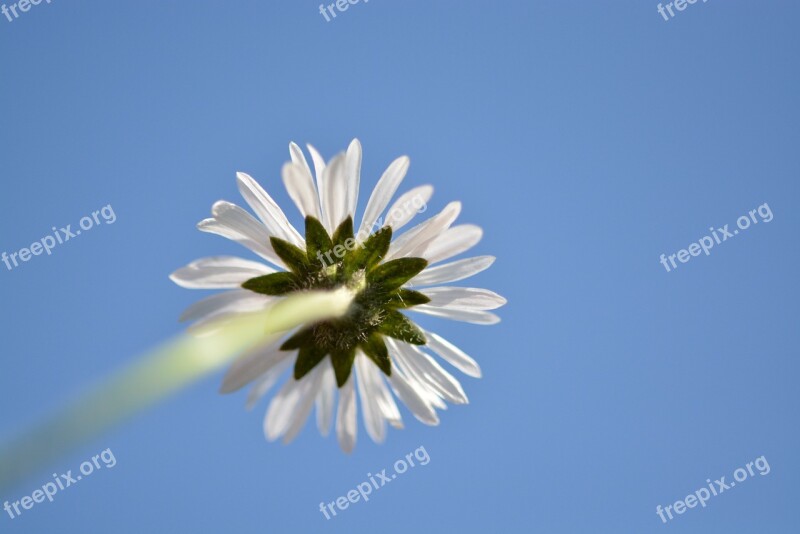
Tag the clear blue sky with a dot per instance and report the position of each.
(586, 138)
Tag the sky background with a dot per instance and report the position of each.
(586, 138)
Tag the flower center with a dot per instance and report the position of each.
(330, 262)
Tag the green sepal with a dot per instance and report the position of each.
(398, 326)
(294, 258)
(395, 273)
(343, 364)
(318, 242)
(307, 358)
(343, 232)
(375, 349)
(406, 298)
(299, 339)
(371, 252)
(274, 284)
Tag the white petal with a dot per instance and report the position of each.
(415, 378)
(303, 409)
(251, 366)
(413, 399)
(414, 242)
(452, 272)
(326, 398)
(403, 210)
(319, 170)
(296, 153)
(335, 193)
(218, 272)
(427, 370)
(267, 210)
(435, 400)
(238, 220)
(385, 399)
(301, 189)
(346, 422)
(369, 395)
(383, 193)
(287, 405)
(279, 413)
(213, 226)
(417, 382)
(467, 316)
(453, 242)
(268, 379)
(453, 355)
(463, 298)
(352, 171)
(236, 301)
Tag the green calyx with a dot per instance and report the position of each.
(331, 262)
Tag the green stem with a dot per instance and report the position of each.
(157, 374)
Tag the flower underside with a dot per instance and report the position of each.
(337, 261)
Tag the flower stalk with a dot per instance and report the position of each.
(158, 374)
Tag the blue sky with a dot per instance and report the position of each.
(586, 138)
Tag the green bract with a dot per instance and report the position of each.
(334, 261)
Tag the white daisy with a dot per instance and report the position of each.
(375, 349)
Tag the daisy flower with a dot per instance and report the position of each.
(375, 348)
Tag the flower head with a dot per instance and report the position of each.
(375, 347)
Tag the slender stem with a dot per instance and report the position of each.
(157, 374)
